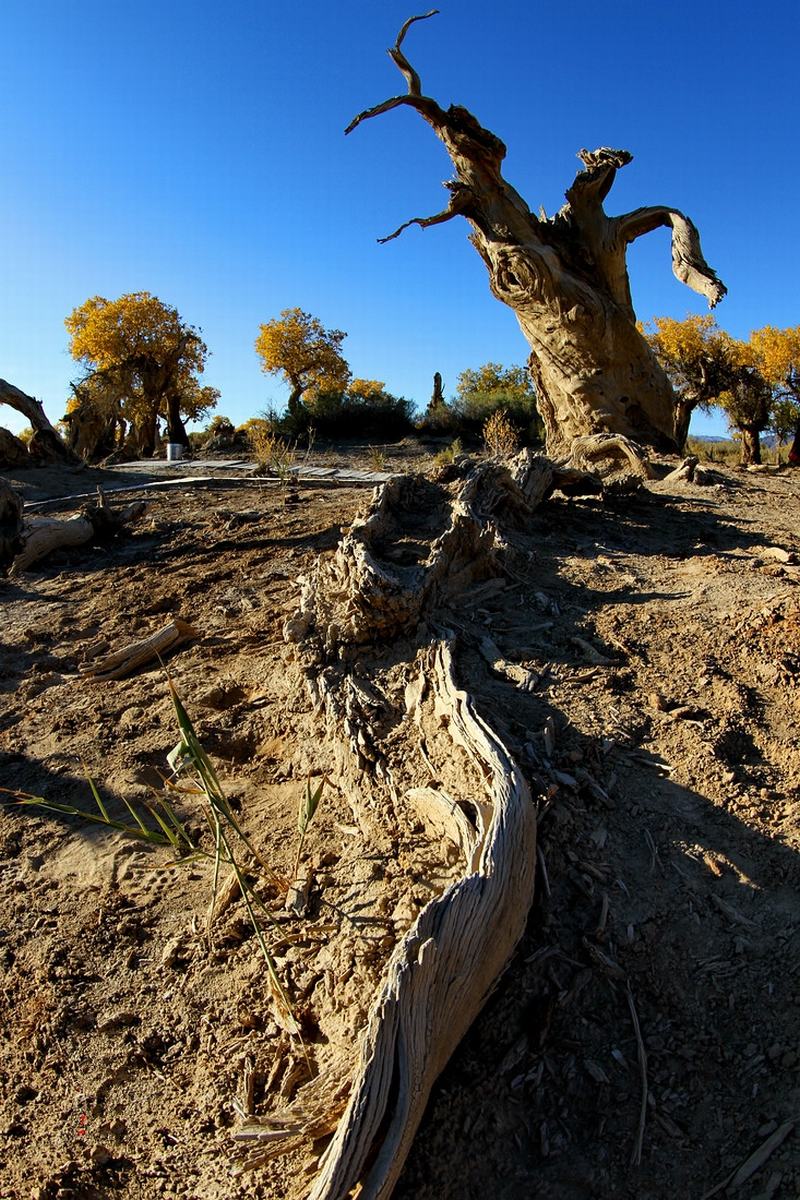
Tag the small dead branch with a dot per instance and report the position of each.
(129, 658)
(636, 1156)
(755, 1162)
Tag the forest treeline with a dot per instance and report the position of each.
(140, 384)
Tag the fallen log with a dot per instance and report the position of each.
(95, 522)
(442, 972)
(399, 571)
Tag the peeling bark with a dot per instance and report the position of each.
(565, 277)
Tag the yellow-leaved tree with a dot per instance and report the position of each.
(776, 353)
(142, 363)
(700, 360)
(308, 356)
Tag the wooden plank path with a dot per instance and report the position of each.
(184, 474)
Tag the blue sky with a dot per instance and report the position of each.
(196, 151)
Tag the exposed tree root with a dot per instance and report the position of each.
(386, 594)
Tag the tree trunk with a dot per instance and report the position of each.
(51, 445)
(13, 451)
(565, 277)
(683, 416)
(176, 430)
(794, 449)
(295, 405)
(751, 446)
(145, 433)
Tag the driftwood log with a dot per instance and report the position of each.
(442, 972)
(565, 277)
(129, 658)
(394, 591)
(94, 523)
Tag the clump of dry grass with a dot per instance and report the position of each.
(449, 455)
(500, 435)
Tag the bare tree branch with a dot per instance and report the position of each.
(459, 203)
(400, 60)
(423, 104)
(688, 263)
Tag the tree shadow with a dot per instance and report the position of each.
(649, 892)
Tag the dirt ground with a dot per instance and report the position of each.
(642, 657)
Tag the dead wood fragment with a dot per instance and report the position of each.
(755, 1162)
(129, 658)
(440, 974)
(95, 522)
(398, 572)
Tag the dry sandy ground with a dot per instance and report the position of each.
(659, 637)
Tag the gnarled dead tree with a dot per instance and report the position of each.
(394, 592)
(46, 445)
(565, 277)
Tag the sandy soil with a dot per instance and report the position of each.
(659, 641)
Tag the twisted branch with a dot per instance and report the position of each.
(688, 263)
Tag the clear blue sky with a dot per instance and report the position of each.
(196, 151)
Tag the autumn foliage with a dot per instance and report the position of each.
(142, 365)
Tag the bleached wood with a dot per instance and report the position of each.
(441, 973)
(129, 658)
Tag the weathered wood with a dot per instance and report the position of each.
(399, 570)
(50, 445)
(565, 277)
(441, 973)
(13, 451)
(43, 535)
(129, 658)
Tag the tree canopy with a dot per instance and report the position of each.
(700, 361)
(308, 356)
(776, 353)
(756, 382)
(142, 363)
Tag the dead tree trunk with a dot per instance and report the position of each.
(49, 443)
(10, 527)
(565, 277)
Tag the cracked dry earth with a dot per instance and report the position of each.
(641, 656)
